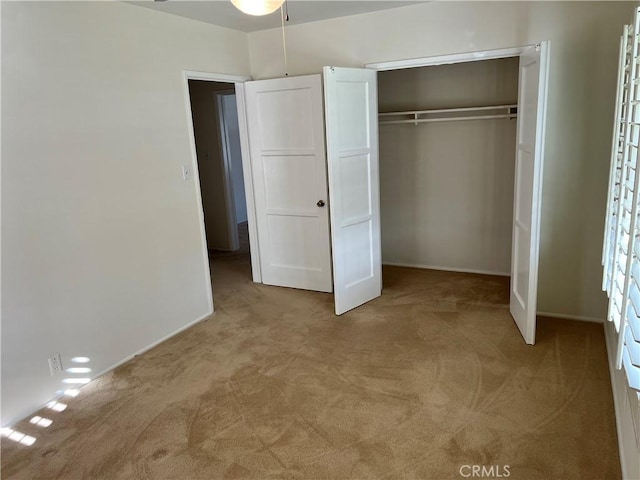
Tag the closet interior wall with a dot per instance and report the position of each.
(446, 188)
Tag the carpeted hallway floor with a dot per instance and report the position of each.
(429, 378)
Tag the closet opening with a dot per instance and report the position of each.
(461, 159)
(447, 140)
(533, 78)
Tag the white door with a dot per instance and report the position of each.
(286, 141)
(528, 189)
(351, 105)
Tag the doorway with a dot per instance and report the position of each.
(220, 176)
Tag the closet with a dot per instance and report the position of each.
(459, 180)
(447, 139)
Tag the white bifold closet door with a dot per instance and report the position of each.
(292, 199)
(286, 141)
(351, 103)
(528, 178)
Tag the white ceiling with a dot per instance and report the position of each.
(223, 13)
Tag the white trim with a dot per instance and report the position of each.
(624, 418)
(247, 172)
(447, 269)
(541, 123)
(227, 183)
(564, 316)
(446, 59)
(119, 363)
(196, 180)
(215, 77)
(238, 81)
(152, 345)
(617, 405)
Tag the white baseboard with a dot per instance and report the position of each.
(628, 443)
(152, 345)
(500, 274)
(571, 317)
(117, 364)
(447, 269)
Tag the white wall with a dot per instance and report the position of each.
(627, 408)
(583, 62)
(446, 189)
(101, 243)
(204, 111)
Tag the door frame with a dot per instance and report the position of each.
(541, 113)
(238, 82)
(227, 181)
(462, 57)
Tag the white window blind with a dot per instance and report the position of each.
(621, 250)
(615, 172)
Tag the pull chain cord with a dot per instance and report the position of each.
(284, 40)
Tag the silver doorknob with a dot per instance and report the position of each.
(320, 203)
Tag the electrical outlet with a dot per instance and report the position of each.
(55, 364)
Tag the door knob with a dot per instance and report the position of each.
(320, 203)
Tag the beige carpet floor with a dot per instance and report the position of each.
(429, 378)
(243, 240)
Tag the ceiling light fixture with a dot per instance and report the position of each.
(257, 7)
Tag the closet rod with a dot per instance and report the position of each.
(452, 114)
(447, 110)
(449, 119)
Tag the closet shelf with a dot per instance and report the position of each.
(448, 114)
